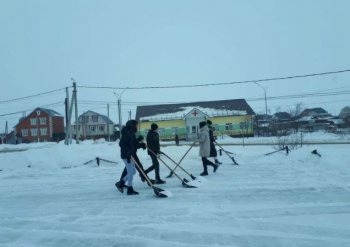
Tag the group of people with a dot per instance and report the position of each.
(129, 144)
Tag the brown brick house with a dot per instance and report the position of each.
(40, 125)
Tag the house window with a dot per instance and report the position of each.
(33, 121)
(101, 128)
(33, 132)
(24, 132)
(94, 118)
(42, 120)
(92, 128)
(194, 130)
(228, 126)
(85, 119)
(43, 131)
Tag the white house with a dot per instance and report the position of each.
(92, 125)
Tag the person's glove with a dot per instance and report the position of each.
(140, 138)
(143, 145)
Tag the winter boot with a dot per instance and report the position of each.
(215, 167)
(131, 191)
(205, 171)
(217, 162)
(120, 186)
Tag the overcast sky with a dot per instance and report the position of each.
(43, 44)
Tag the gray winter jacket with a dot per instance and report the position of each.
(204, 142)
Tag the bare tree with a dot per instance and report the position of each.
(294, 112)
(298, 108)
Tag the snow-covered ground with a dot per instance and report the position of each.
(49, 197)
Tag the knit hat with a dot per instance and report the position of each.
(202, 124)
(209, 122)
(154, 126)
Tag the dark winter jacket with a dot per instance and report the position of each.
(128, 143)
(153, 142)
(213, 152)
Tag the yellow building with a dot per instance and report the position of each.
(230, 117)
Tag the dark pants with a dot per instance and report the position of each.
(213, 152)
(154, 166)
(207, 163)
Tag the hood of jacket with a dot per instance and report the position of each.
(130, 126)
(204, 129)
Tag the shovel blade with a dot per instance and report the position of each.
(159, 192)
(186, 185)
(234, 162)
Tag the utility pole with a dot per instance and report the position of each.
(129, 115)
(120, 117)
(76, 110)
(70, 121)
(6, 128)
(37, 124)
(120, 110)
(68, 125)
(264, 88)
(109, 136)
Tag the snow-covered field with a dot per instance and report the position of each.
(49, 197)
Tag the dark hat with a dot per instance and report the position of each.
(154, 126)
(209, 122)
(202, 124)
(131, 123)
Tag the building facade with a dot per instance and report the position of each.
(92, 125)
(229, 117)
(40, 125)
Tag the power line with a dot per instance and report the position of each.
(31, 96)
(14, 113)
(281, 97)
(182, 86)
(305, 95)
(222, 83)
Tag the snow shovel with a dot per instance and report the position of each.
(178, 164)
(184, 181)
(193, 177)
(226, 152)
(284, 148)
(316, 153)
(158, 191)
